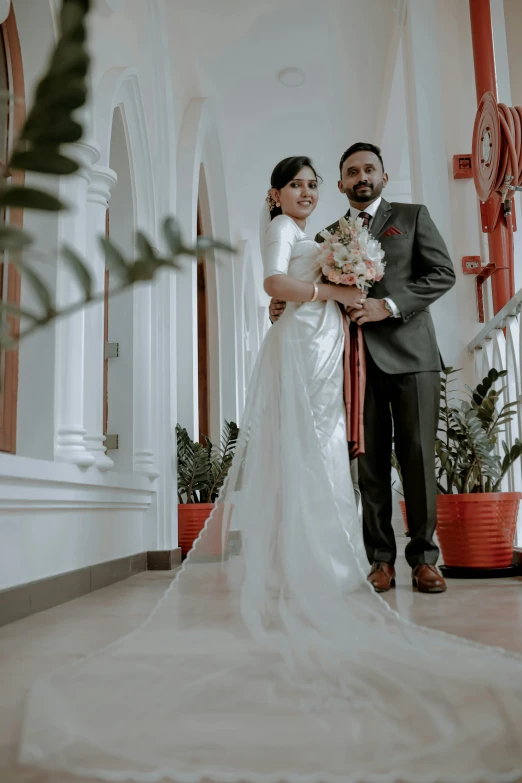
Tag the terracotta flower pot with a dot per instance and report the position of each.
(402, 505)
(478, 530)
(191, 521)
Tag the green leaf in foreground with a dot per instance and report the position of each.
(19, 197)
(44, 161)
(13, 238)
(40, 288)
(80, 270)
(114, 259)
(207, 243)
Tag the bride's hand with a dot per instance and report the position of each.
(350, 296)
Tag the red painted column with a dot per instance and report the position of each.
(501, 238)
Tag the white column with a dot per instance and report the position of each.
(430, 159)
(102, 181)
(70, 445)
(507, 24)
(144, 461)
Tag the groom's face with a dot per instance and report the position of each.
(363, 178)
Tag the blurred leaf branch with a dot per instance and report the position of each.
(50, 125)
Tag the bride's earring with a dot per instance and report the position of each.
(270, 200)
(278, 204)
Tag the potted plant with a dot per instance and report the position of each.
(476, 521)
(202, 469)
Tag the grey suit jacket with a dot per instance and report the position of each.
(418, 271)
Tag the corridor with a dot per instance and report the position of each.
(484, 611)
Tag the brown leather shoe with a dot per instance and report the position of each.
(382, 576)
(427, 579)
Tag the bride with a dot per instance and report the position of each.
(282, 664)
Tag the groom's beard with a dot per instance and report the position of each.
(363, 194)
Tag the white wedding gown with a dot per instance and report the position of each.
(282, 664)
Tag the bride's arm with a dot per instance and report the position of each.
(278, 245)
(290, 289)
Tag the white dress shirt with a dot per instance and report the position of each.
(371, 209)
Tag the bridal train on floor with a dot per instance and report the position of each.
(302, 673)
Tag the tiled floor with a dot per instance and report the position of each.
(490, 612)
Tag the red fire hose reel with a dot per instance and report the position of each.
(497, 172)
(497, 153)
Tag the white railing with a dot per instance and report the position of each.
(498, 345)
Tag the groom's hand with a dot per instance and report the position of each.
(276, 309)
(372, 310)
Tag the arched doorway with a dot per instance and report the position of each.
(119, 311)
(203, 346)
(210, 396)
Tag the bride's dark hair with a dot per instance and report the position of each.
(285, 171)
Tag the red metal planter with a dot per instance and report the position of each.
(478, 530)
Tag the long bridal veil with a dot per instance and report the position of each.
(281, 664)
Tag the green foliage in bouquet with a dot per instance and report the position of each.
(467, 446)
(203, 468)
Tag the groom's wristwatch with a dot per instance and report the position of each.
(389, 308)
(394, 313)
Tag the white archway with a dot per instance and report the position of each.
(199, 146)
(118, 91)
(120, 87)
(154, 321)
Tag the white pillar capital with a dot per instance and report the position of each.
(86, 154)
(102, 182)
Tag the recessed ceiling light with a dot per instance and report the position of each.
(291, 77)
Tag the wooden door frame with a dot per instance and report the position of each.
(15, 119)
(203, 358)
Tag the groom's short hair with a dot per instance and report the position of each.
(360, 146)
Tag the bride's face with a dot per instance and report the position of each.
(299, 197)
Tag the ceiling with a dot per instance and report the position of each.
(232, 51)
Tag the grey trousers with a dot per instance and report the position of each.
(408, 403)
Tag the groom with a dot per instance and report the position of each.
(403, 369)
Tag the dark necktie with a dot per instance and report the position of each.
(365, 218)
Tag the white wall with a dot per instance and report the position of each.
(55, 515)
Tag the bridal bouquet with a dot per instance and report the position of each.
(351, 256)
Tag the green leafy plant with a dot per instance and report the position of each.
(202, 468)
(50, 124)
(395, 464)
(466, 449)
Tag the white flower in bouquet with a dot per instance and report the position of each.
(351, 256)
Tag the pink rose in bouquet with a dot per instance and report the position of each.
(351, 256)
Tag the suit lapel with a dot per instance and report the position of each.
(382, 216)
